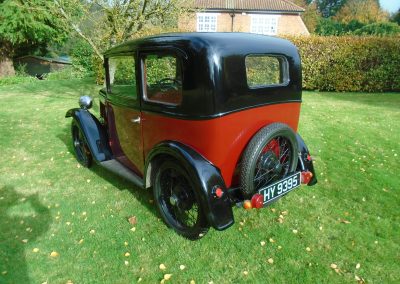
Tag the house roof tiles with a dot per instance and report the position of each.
(249, 5)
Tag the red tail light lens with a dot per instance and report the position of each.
(257, 201)
(218, 192)
(306, 177)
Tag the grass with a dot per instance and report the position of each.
(50, 204)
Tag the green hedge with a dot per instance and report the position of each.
(365, 64)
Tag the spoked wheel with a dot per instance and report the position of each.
(81, 148)
(177, 201)
(270, 156)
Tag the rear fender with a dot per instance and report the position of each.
(205, 176)
(306, 159)
(94, 132)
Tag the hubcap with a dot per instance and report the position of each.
(178, 198)
(173, 200)
(273, 162)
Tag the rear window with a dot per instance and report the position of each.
(266, 71)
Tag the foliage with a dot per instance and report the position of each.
(122, 70)
(26, 26)
(22, 77)
(82, 56)
(66, 73)
(264, 70)
(50, 203)
(369, 64)
(30, 22)
(104, 23)
(311, 17)
(329, 27)
(329, 8)
(379, 29)
(16, 79)
(396, 17)
(158, 68)
(363, 11)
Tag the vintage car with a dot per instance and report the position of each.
(207, 120)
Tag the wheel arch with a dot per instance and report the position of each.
(94, 132)
(203, 173)
(305, 160)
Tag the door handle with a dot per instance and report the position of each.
(136, 120)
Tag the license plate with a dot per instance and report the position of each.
(280, 187)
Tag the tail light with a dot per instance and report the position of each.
(257, 201)
(306, 177)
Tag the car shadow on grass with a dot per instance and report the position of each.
(145, 197)
(23, 219)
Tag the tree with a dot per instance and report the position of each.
(396, 17)
(311, 15)
(363, 11)
(26, 25)
(329, 8)
(103, 23)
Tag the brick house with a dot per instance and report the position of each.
(269, 17)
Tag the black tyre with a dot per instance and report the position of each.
(178, 202)
(271, 155)
(81, 148)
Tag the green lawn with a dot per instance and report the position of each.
(345, 227)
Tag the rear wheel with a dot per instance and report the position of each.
(178, 202)
(270, 156)
(81, 148)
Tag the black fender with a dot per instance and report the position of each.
(205, 176)
(305, 160)
(94, 132)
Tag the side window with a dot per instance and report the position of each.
(266, 70)
(122, 76)
(162, 74)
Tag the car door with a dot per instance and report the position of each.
(162, 80)
(123, 113)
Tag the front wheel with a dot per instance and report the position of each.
(271, 155)
(178, 202)
(81, 148)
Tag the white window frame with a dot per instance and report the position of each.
(264, 24)
(207, 22)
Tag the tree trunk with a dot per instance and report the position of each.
(6, 66)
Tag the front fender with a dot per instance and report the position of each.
(206, 178)
(95, 135)
(308, 163)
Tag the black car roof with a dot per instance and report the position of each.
(229, 42)
(214, 80)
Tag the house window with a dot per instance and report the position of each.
(206, 22)
(264, 24)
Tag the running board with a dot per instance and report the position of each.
(119, 169)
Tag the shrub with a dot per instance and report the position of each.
(16, 79)
(379, 29)
(369, 64)
(82, 57)
(329, 27)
